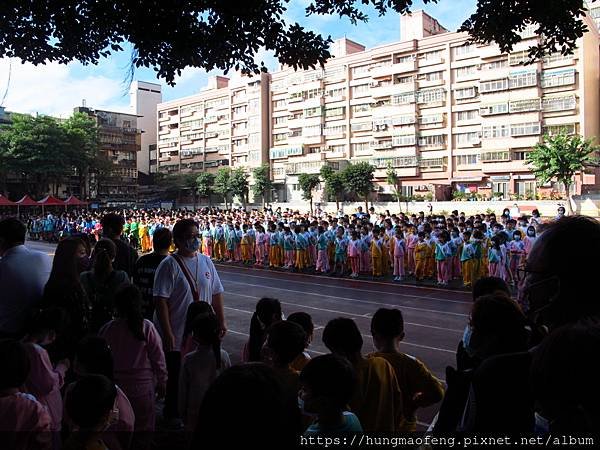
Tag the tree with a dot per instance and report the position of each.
(238, 184)
(334, 184)
(358, 178)
(188, 183)
(229, 34)
(308, 182)
(204, 185)
(262, 183)
(394, 180)
(560, 157)
(222, 183)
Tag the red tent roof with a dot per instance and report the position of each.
(51, 201)
(6, 202)
(27, 201)
(72, 200)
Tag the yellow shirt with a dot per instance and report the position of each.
(413, 378)
(377, 400)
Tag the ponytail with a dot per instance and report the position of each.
(104, 253)
(128, 303)
(206, 331)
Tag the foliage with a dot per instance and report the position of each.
(358, 178)
(334, 184)
(308, 182)
(238, 184)
(222, 183)
(230, 34)
(204, 184)
(262, 182)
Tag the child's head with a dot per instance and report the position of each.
(340, 232)
(530, 231)
(327, 384)
(128, 304)
(421, 236)
(496, 242)
(46, 324)
(305, 321)
(91, 403)
(341, 336)
(285, 342)
(517, 235)
(399, 233)
(355, 235)
(16, 364)
(320, 230)
(387, 327)
(195, 309)
(206, 331)
(489, 286)
(94, 356)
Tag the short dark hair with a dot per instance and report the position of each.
(161, 239)
(341, 335)
(330, 376)
(16, 364)
(286, 340)
(91, 398)
(112, 224)
(181, 226)
(388, 323)
(13, 231)
(489, 285)
(304, 320)
(95, 355)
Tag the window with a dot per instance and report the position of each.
(432, 141)
(403, 120)
(532, 104)
(562, 103)
(313, 112)
(254, 139)
(279, 120)
(403, 99)
(334, 112)
(253, 106)
(278, 137)
(495, 65)
(360, 147)
(406, 59)
(431, 96)
(522, 79)
(462, 72)
(557, 57)
(313, 93)
(518, 58)
(497, 155)
(525, 129)
(567, 128)
(490, 110)
(467, 160)
(432, 163)
(493, 86)
(405, 79)
(360, 70)
(334, 130)
(403, 140)
(495, 131)
(467, 139)
(280, 103)
(525, 187)
(520, 155)
(463, 50)
(363, 107)
(336, 92)
(431, 119)
(335, 72)
(314, 130)
(254, 122)
(463, 93)
(553, 78)
(434, 76)
(462, 116)
(362, 126)
(296, 132)
(361, 89)
(314, 149)
(336, 148)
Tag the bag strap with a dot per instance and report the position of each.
(188, 277)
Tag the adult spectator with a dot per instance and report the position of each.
(557, 284)
(145, 269)
(181, 279)
(64, 290)
(126, 256)
(359, 213)
(23, 275)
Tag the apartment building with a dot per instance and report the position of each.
(448, 115)
(226, 124)
(120, 143)
(143, 100)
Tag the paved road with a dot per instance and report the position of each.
(434, 318)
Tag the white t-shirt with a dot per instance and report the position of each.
(170, 283)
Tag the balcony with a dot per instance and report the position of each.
(312, 167)
(392, 69)
(505, 166)
(381, 145)
(378, 91)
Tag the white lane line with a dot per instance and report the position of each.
(403, 342)
(352, 300)
(335, 311)
(362, 290)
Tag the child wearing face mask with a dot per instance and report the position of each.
(516, 248)
(529, 239)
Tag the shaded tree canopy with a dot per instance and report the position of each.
(228, 34)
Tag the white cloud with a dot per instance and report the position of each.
(55, 89)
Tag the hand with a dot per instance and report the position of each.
(222, 330)
(169, 342)
(65, 362)
(161, 390)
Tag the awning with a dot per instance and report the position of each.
(6, 202)
(466, 179)
(49, 200)
(27, 201)
(74, 201)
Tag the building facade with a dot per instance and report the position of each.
(446, 114)
(143, 100)
(120, 144)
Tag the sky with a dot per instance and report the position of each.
(55, 89)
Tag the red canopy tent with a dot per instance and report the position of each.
(74, 201)
(25, 201)
(49, 200)
(5, 201)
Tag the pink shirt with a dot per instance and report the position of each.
(29, 418)
(44, 382)
(135, 361)
(398, 247)
(353, 248)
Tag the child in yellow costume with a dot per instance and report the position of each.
(422, 252)
(377, 249)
